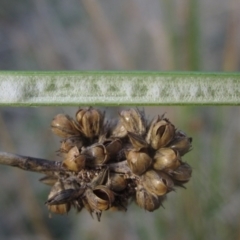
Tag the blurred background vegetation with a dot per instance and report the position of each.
(154, 35)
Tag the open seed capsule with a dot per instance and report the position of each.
(157, 182)
(96, 155)
(63, 126)
(90, 121)
(160, 133)
(117, 182)
(138, 161)
(100, 198)
(166, 159)
(131, 120)
(69, 143)
(148, 201)
(74, 161)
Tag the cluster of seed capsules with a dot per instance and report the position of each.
(109, 163)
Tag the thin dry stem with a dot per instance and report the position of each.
(30, 163)
(49, 167)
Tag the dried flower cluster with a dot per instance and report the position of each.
(107, 164)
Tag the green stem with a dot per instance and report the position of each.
(118, 88)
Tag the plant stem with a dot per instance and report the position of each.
(118, 88)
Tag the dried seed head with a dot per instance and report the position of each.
(148, 201)
(138, 161)
(63, 126)
(160, 133)
(90, 121)
(74, 161)
(106, 165)
(157, 182)
(166, 159)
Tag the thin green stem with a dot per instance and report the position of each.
(118, 88)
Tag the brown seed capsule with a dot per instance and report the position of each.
(74, 161)
(182, 173)
(148, 201)
(166, 159)
(131, 120)
(157, 182)
(116, 182)
(138, 142)
(138, 161)
(160, 133)
(99, 199)
(90, 121)
(63, 126)
(69, 143)
(113, 146)
(181, 144)
(96, 155)
(58, 208)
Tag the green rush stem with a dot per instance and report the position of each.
(118, 88)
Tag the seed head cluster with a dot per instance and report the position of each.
(109, 163)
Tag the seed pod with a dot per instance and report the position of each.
(131, 120)
(116, 182)
(182, 173)
(138, 162)
(160, 133)
(157, 182)
(181, 144)
(74, 161)
(69, 143)
(166, 159)
(113, 146)
(148, 201)
(96, 155)
(99, 199)
(58, 208)
(138, 142)
(90, 121)
(63, 126)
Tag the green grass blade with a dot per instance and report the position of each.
(118, 88)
